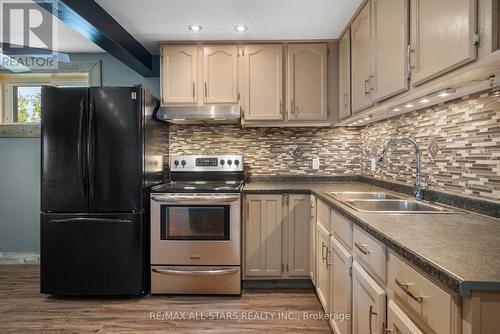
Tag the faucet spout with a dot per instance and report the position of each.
(420, 185)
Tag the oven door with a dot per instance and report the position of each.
(195, 229)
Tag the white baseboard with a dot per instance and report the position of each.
(19, 258)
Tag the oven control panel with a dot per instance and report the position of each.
(199, 163)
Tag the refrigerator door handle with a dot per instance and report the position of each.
(81, 163)
(91, 220)
(90, 149)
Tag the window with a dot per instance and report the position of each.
(27, 104)
(21, 96)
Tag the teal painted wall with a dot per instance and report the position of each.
(20, 167)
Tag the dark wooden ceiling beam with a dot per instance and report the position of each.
(95, 24)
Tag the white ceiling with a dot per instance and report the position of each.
(67, 39)
(153, 21)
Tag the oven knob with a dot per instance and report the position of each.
(183, 163)
(236, 162)
(176, 163)
(222, 162)
(229, 162)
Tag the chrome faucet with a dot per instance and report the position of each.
(420, 184)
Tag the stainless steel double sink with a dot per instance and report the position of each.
(382, 202)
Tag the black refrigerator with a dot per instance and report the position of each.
(101, 151)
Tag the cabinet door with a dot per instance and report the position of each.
(322, 279)
(299, 214)
(312, 242)
(391, 39)
(179, 74)
(263, 82)
(263, 235)
(340, 286)
(368, 303)
(220, 72)
(345, 75)
(398, 322)
(442, 36)
(361, 60)
(307, 82)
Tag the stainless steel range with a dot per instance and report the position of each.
(196, 226)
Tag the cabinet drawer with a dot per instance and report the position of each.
(428, 303)
(370, 252)
(342, 228)
(323, 213)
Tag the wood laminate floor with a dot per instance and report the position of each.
(24, 310)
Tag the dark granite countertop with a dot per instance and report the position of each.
(461, 251)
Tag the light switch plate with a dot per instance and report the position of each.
(373, 164)
(315, 163)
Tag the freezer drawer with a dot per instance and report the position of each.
(196, 280)
(85, 254)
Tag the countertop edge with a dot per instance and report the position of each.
(445, 278)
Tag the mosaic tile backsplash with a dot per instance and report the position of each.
(269, 151)
(467, 133)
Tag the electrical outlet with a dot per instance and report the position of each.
(315, 163)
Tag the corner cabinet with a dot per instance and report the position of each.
(297, 226)
(179, 71)
(345, 75)
(262, 239)
(276, 236)
(442, 36)
(220, 73)
(262, 82)
(361, 60)
(307, 82)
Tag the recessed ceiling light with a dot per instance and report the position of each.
(424, 100)
(409, 105)
(195, 27)
(396, 109)
(443, 94)
(240, 28)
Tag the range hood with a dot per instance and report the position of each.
(208, 114)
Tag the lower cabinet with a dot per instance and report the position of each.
(322, 266)
(398, 322)
(340, 287)
(276, 236)
(368, 303)
(312, 241)
(263, 235)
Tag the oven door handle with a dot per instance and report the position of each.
(210, 272)
(195, 198)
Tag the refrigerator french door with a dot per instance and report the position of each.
(92, 178)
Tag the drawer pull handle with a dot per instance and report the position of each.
(404, 287)
(370, 318)
(362, 248)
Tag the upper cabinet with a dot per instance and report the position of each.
(220, 73)
(361, 60)
(345, 75)
(262, 82)
(179, 74)
(391, 31)
(307, 82)
(442, 36)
